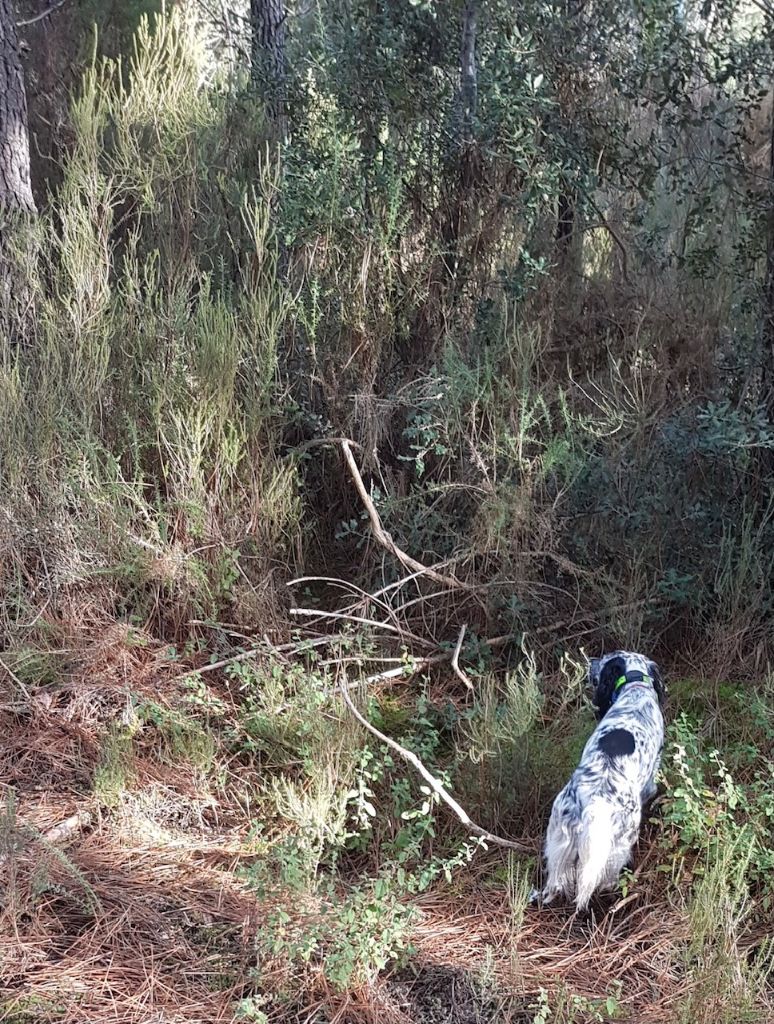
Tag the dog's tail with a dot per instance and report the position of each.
(595, 847)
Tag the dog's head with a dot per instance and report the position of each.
(606, 673)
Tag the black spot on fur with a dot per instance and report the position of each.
(617, 743)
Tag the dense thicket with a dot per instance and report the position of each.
(538, 293)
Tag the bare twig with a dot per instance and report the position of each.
(317, 442)
(296, 648)
(384, 538)
(316, 613)
(409, 669)
(456, 659)
(398, 584)
(43, 14)
(16, 679)
(418, 664)
(432, 782)
(346, 585)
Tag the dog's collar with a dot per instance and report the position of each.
(633, 678)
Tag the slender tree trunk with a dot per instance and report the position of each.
(268, 60)
(462, 176)
(17, 204)
(568, 198)
(768, 296)
(15, 186)
(469, 75)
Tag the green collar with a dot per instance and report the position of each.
(631, 677)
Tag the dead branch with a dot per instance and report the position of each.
(382, 535)
(58, 834)
(66, 829)
(398, 584)
(316, 613)
(408, 669)
(432, 782)
(456, 659)
(418, 664)
(43, 14)
(346, 585)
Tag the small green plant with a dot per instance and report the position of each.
(249, 1009)
(352, 939)
(504, 713)
(727, 981)
(114, 773)
(15, 836)
(426, 430)
(711, 810)
(183, 738)
(563, 1007)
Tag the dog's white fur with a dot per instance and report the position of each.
(595, 820)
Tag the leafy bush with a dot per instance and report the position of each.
(717, 817)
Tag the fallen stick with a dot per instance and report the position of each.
(315, 613)
(382, 535)
(432, 782)
(58, 834)
(66, 829)
(456, 659)
(417, 664)
(408, 669)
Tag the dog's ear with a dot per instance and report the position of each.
(604, 683)
(593, 672)
(658, 682)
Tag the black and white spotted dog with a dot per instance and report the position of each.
(595, 819)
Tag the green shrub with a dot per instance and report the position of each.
(714, 815)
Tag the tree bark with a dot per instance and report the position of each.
(768, 290)
(569, 89)
(15, 185)
(469, 76)
(268, 61)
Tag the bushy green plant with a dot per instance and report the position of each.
(352, 938)
(523, 747)
(715, 815)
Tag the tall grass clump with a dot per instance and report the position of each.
(140, 452)
(520, 740)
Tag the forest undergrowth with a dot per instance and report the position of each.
(291, 420)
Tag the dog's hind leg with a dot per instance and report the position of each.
(651, 788)
(561, 860)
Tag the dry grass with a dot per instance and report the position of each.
(144, 916)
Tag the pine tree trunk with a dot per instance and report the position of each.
(268, 62)
(767, 325)
(570, 90)
(468, 71)
(15, 186)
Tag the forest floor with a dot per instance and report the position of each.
(137, 908)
